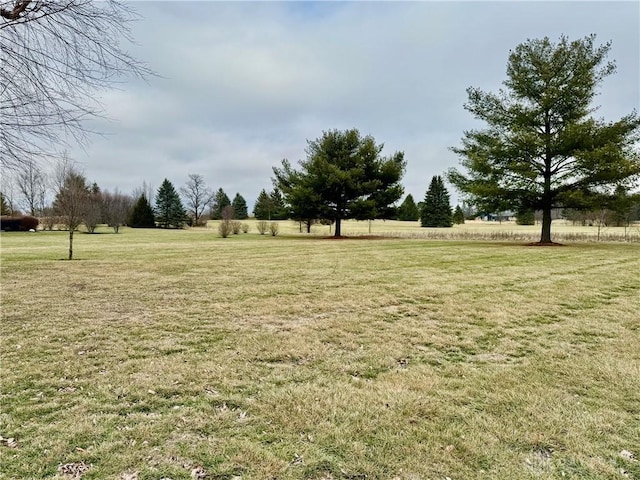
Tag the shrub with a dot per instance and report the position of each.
(202, 221)
(29, 223)
(236, 226)
(262, 227)
(525, 217)
(245, 228)
(18, 224)
(224, 228)
(274, 228)
(49, 222)
(9, 224)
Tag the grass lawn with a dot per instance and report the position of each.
(178, 354)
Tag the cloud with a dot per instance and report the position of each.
(245, 84)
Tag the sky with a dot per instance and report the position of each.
(243, 85)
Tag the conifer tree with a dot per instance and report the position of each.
(262, 208)
(220, 200)
(239, 205)
(169, 210)
(142, 214)
(4, 206)
(278, 208)
(408, 210)
(542, 148)
(526, 217)
(436, 210)
(458, 216)
(348, 177)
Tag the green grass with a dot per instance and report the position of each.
(160, 352)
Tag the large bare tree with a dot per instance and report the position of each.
(116, 207)
(33, 187)
(197, 197)
(54, 56)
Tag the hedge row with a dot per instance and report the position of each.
(18, 224)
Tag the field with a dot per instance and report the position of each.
(182, 355)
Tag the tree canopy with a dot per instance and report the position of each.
(542, 148)
(408, 210)
(344, 176)
(169, 210)
(262, 207)
(142, 215)
(458, 216)
(220, 200)
(4, 206)
(239, 205)
(436, 209)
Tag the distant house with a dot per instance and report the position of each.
(505, 216)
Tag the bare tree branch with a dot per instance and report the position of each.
(54, 57)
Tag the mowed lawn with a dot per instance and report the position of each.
(182, 355)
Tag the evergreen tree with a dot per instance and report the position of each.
(262, 208)
(4, 206)
(94, 208)
(169, 210)
(623, 206)
(142, 214)
(436, 211)
(278, 208)
(348, 176)
(303, 203)
(408, 210)
(220, 200)
(239, 205)
(458, 216)
(542, 148)
(526, 217)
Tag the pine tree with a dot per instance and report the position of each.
(436, 211)
(169, 210)
(220, 200)
(142, 214)
(239, 205)
(541, 148)
(526, 217)
(408, 210)
(348, 177)
(262, 208)
(458, 216)
(278, 208)
(4, 206)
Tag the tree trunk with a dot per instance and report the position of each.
(70, 243)
(547, 203)
(338, 230)
(546, 225)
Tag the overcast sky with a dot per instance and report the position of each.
(245, 84)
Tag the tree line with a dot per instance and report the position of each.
(541, 148)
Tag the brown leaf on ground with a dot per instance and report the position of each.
(129, 476)
(8, 442)
(198, 473)
(73, 470)
(627, 455)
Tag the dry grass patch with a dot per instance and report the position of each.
(179, 354)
